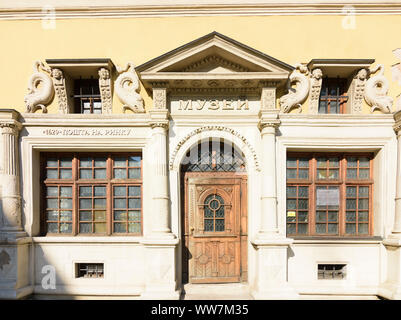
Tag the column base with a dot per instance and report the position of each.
(160, 235)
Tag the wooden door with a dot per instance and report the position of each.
(215, 233)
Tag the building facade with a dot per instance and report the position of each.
(156, 149)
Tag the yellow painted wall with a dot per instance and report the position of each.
(291, 39)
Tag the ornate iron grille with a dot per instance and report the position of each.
(213, 156)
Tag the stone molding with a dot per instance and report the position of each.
(40, 89)
(212, 128)
(127, 89)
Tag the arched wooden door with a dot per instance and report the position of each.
(215, 224)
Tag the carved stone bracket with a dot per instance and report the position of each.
(315, 87)
(40, 89)
(376, 90)
(358, 91)
(296, 96)
(105, 90)
(61, 91)
(127, 89)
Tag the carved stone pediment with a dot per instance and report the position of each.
(213, 61)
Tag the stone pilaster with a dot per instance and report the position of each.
(11, 197)
(391, 288)
(271, 246)
(14, 245)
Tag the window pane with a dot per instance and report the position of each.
(291, 162)
(332, 228)
(100, 203)
(51, 174)
(66, 162)
(322, 174)
(332, 216)
(364, 174)
(134, 191)
(364, 162)
(291, 204)
(85, 227)
(363, 216)
(333, 162)
(291, 228)
(351, 192)
(134, 161)
(303, 216)
(85, 203)
(100, 162)
(120, 191)
(120, 215)
(52, 162)
(352, 162)
(320, 228)
(134, 215)
(52, 203)
(134, 173)
(66, 203)
(291, 192)
(65, 174)
(100, 215)
(364, 191)
(303, 192)
(120, 162)
(65, 191)
(85, 162)
(303, 163)
(120, 203)
(134, 227)
(120, 227)
(209, 225)
(350, 228)
(321, 162)
(85, 173)
(100, 173)
(351, 204)
(219, 224)
(52, 215)
(302, 228)
(291, 173)
(100, 191)
(207, 212)
(52, 191)
(321, 216)
(302, 204)
(303, 174)
(363, 228)
(85, 191)
(134, 203)
(100, 228)
(52, 227)
(85, 216)
(363, 204)
(65, 228)
(351, 216)
(120, 173)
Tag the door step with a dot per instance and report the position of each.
(223, 291)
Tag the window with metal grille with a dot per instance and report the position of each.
(91, 193)
(329, 194)
(89, 270)
(214, 156)
(331, 271)
(213, 208)
(87, 96)
(333, 96)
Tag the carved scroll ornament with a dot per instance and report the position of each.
(127, 89)
(296, 96)
(376, 89)
(316, 87)
(40, 89)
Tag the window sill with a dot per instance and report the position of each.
(337, 240)
(91, 239)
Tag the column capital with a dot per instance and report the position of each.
(159, 118)
(269, 119)
(9, 121)
(397, 124)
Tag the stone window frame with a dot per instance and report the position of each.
(342, 182)
(65, 71)
(342, 68)
(75, 182)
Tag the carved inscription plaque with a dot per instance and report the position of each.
(87, 132)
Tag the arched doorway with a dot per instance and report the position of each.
(214, 213)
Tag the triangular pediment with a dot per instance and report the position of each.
(213, 57)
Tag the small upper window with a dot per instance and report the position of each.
(87, 96)
(333, 96)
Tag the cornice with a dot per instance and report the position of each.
(173, 10)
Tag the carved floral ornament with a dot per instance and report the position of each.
(213, 128)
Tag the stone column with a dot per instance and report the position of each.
(271, 282)
(14, 245)
(391, 288)
(160, 244)
(11, 197)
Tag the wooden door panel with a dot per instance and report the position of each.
(217, 255)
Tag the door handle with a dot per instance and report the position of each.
(191, 230)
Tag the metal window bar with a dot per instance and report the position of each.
(87, 96)
(328, 101)
(331, 271)
(90, 270)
